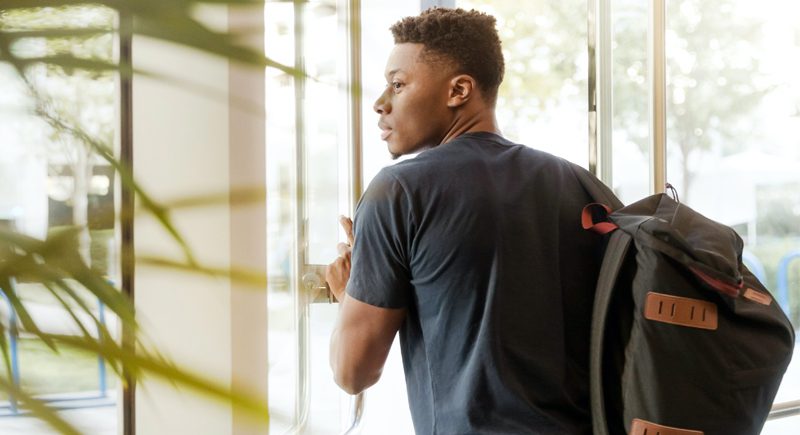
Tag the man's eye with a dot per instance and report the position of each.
(396, 86)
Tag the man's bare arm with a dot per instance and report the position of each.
(363, 333)
(361, 342)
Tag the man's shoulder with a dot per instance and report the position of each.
(475, 149)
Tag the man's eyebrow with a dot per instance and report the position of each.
(392, 72)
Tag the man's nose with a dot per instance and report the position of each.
(382, 105)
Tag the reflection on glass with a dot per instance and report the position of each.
(732, 100)
(49, 179)
(542, 101)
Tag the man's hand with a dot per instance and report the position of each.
(338, 273)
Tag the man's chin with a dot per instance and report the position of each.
(396, 154)
(403, 150)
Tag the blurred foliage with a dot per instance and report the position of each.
(778, 210)
(714, 79)
(63, 53)
(713, 70)
(545, 55)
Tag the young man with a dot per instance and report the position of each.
(473, 250)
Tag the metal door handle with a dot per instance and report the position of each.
(317, 289)
(784, 409)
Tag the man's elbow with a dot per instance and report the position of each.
(355, 381)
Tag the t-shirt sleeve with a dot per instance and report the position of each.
(379, 273)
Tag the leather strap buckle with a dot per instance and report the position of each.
(693, 313)
(643, 427)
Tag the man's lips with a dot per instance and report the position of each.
(385, 130)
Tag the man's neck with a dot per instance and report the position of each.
(472, 122)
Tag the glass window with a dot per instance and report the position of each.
(630, 135)
(732, 99)
(50, 179)
(306, 118)
(377, 43)
(782, 426)
(542, 102)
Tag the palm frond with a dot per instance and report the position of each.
(168, 21)
(241, 275)
(38, 408)
(144, 363)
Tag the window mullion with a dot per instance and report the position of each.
(656, 57)
(600, 90)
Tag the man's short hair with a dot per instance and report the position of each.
(466, 38)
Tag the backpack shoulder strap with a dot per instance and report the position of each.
(618, 245)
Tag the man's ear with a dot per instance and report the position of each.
(462, 88)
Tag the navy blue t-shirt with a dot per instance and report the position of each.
(480, 239)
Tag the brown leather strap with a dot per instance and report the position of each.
(643, 427)
(757, 296)
(694, 313)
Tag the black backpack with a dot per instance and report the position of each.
(685, 340)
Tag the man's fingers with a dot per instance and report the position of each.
(347, 225)
(337, 274)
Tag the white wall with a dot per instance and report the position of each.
(183, 145)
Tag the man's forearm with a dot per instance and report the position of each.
(353, 371)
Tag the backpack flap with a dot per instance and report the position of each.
(707, 345)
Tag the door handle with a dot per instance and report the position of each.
(315, 286)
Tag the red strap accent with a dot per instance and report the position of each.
(722, 287)
(587, 220)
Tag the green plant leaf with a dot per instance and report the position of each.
(247, 276)
(55, 260)
(160, 212)
(4, 345)
(22, 311)
(170, 21)
(38, 408)
(143, 363)
(57, 32)
(69, 310)
(238, 197)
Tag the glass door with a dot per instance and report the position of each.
(317, 168)
(310, 183)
